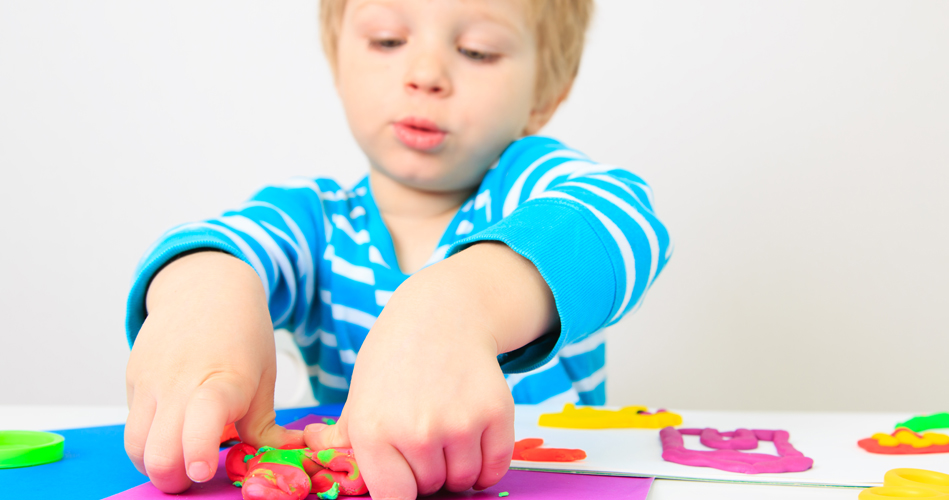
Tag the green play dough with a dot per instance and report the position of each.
(324, 456)
(926, 422)
(27, 448)
(283, 457)
(330, 494)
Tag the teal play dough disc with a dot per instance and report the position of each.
(26, 448)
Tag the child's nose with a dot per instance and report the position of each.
(428, 75)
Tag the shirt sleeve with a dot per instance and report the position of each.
(279, 232)
(590, 229)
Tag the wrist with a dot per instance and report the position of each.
(205, 279)
(500, 292)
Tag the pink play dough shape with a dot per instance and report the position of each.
(741, 439)
(788, 459)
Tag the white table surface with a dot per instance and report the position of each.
(34, 417)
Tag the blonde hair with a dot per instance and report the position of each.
(559, 25)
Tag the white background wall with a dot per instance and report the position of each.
(798, 151)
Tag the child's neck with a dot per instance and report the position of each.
(416, 219)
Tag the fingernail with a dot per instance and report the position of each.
(199, 472)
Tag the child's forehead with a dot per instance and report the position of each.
(513, 14)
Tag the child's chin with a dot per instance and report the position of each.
(433, 178)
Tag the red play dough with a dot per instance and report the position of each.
(529, 449)
(229, 434)
(873, 446)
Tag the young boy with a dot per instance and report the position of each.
(536, 248)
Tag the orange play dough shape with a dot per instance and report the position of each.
(906, 442)
(530, 450)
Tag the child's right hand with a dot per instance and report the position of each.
(203, 358)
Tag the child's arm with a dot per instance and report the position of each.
(204, 357)
(201, 329)
(428, 403)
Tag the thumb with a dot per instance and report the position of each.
(258, 426)
(322, 436)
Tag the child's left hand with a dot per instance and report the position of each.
(428, 405)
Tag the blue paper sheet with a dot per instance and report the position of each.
(100, 450)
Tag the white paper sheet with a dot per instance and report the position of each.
(828, 438)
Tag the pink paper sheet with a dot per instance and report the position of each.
(521, 485)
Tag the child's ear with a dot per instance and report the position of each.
(542, 114)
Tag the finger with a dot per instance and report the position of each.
(164, 462)
(141, 414)
(258, 427)
(462, 464)
(387, 474)
(212, 405)
(428, 467)
(497, 445)
(322, 436)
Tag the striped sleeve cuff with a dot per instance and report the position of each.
(161, 254)
(559, 238)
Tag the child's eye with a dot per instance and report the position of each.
(387, 43)
(476, 55)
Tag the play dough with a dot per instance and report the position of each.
(630, 417)
(28, 448)
(926, 422)
(906, 442)
(910, 483)
(274, 474)
(229, 434)
(530, 450)
(725, 455)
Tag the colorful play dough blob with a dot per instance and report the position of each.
(530, 450)
(629, 417)
(732, 460)
(917, 478)
(339, 469)
(28, 448)
(906, 442)
(277, 474)
(926, 422)
(274, 481)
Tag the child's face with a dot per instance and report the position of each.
(434, 90)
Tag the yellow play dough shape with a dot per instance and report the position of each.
(917, 478)
(886, 440)
(936, 438)
(910, 438)
(629, 417)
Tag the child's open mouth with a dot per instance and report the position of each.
(419, 133)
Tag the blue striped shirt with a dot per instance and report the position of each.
(328, 265)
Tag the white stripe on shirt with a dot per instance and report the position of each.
(382, 297)
(513, 198)
(626, 250)
(346, 269)
(347, 314)
(590, 383)
(584, 346)
(328, 379)
(342, 223)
